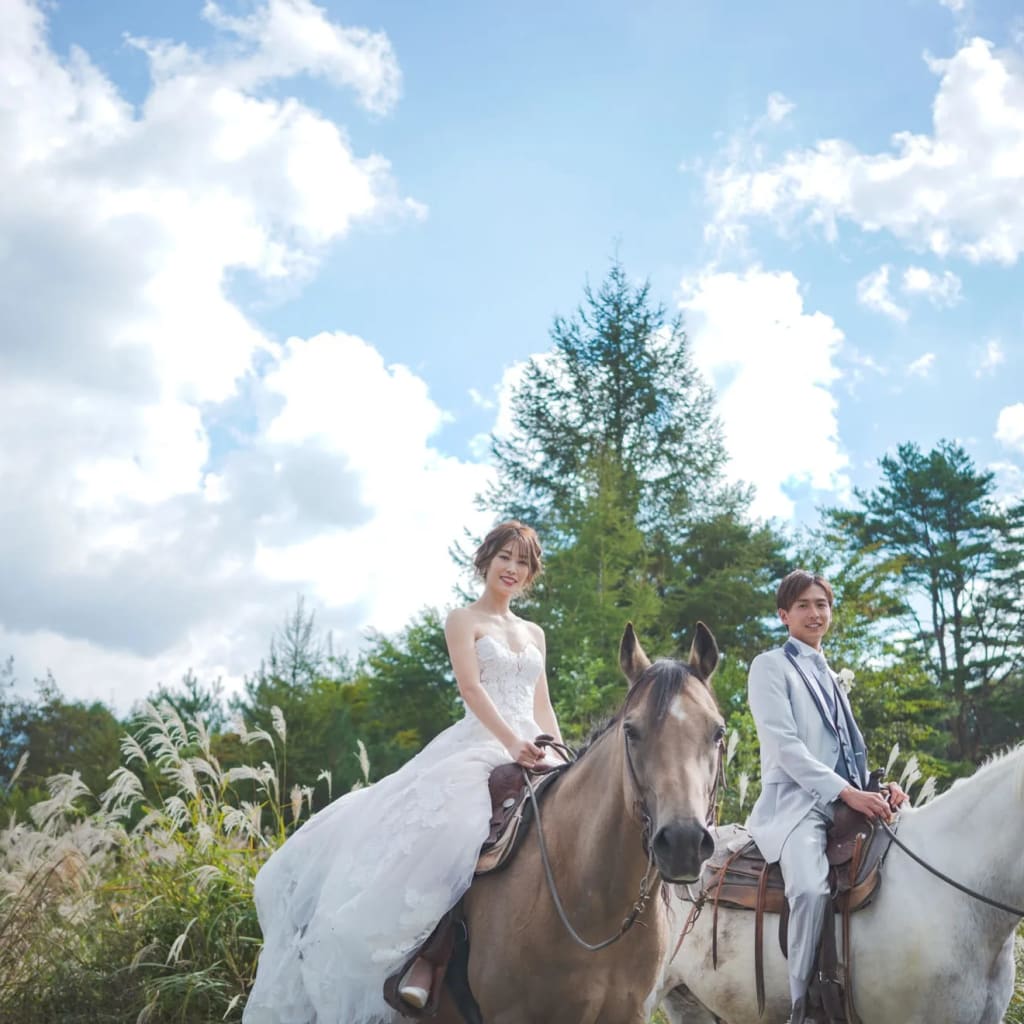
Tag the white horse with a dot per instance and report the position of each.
(923, 953)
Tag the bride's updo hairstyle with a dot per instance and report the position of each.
(521, 538)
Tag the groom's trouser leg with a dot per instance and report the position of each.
(805, 872)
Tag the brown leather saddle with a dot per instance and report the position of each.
(737, 876)
(511, 812)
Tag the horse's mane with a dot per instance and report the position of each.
(664, 680)
(993, 764)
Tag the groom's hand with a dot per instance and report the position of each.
(896, 795)
(872, 805)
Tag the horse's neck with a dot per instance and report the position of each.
(597, 831)
(974, 834)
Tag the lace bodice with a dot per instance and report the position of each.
(509, 677)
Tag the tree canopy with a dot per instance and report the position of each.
(933, 525)
(618, 459)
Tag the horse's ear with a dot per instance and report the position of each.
(632, 659)
(704, 653)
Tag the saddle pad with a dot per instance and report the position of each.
(511, 809)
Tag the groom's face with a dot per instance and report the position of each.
(809, 616)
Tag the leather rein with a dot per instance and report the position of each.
(649, 876)
(1016, 911)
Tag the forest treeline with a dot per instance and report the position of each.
(617, 457)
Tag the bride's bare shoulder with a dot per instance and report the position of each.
(464, 619)
(536, 633)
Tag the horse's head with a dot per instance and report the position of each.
(673, 732)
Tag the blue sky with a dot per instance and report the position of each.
(271, 268)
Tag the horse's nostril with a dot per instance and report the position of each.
(681, 848)
(707, 845)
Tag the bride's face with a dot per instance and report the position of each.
(509, 571)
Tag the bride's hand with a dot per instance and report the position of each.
(526, 753)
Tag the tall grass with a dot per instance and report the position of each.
(136, 904)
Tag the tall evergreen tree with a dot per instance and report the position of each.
(933, 524)
(619, 385)
(617, 457)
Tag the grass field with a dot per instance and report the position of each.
(134, 905)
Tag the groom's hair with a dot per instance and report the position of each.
(796, 583)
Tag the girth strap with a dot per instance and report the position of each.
(714, 914)
(762, 893)
(828, 968)
(859, 849)
(784, 929)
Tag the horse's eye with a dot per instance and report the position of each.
(630, 731)
(719, 734)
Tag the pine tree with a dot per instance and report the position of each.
(618, 387)
(616, 456)
(933, 523)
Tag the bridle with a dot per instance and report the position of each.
(643, 814)
(640, 802)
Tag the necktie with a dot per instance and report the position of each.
(826, 682)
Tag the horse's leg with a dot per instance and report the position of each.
(1000, 985)
(681, 1006)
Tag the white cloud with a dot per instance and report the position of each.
(1010, 426)
(993, 356)
(778, 108)
(860, 367)
(922, 366)
(289, 37)
(773, 366)
(873, 292)
(959, 189)
(864, 361)
(172, 476)
(504, 391)
(942, 290)
(480, 400)
(956, 6)
(1009, 480)
(339, 398)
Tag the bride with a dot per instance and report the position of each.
(348, 898)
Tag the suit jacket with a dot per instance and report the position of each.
(799, 747)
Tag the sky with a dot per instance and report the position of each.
(269, 271)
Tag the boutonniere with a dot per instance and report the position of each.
(846, 679)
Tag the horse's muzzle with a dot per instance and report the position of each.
(680, 849)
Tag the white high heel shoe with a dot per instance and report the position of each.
(414, 995)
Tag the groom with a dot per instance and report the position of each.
(812, 755)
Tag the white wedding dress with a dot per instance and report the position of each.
(347, 898)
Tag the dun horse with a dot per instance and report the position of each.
(922, 951)
(658, 758)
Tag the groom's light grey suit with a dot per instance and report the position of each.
(811, 750)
